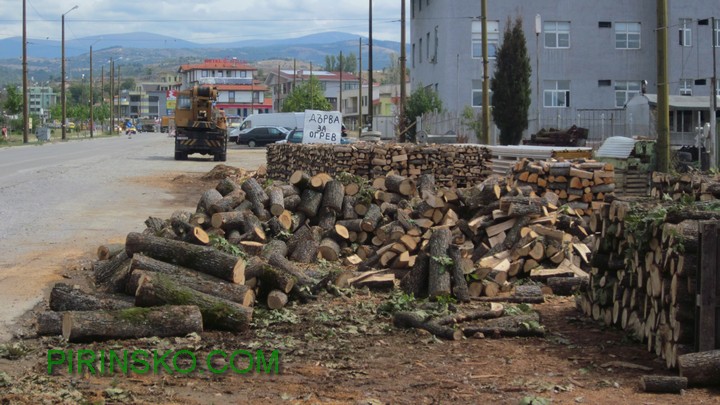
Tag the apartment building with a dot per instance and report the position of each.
(282, 82)
(40, 100)
(589, 58)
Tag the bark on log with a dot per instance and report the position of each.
(702, 368)
(523, 294)
(289, 189)
(326, 218)
(348, 208)
(273, 278)
(216, 312)
(286, 265)
(64, 297)
(254, 192)
(459, 284)
(567, 286)
(207, 199)
(49, 323)
(275, 246)
(663, 384)
(155, 226)
(333, 196)
(226, 186)
(300, 179)
(228, 221)
(407, 320)
(205, 259)
(509, 326)
(189, 233)
(495, 312)
(438, 273)
(292, 202)
(228, 202)
(277, 200)
(111, 275)
(371, 218)
(131, 323)
(329, 249)
(305, 251)
(276, 299)
(310, 202)
(197, 281)
(426, 185)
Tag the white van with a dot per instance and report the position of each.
(289, 120)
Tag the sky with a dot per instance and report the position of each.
(200, 21)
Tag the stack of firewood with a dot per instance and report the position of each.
(693, 186)
(452, 165)
(643, 275)
(581, 184)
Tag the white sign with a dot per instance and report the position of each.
(322, 127)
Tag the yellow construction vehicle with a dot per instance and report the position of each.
(200, 127)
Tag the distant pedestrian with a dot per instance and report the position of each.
(4, 132)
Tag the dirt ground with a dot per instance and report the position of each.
(341, 349)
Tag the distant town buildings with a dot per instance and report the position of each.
(283, 82)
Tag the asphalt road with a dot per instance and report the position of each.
(61, 200)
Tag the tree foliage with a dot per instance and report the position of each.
(510, 85)
(422, 100)
(392, 71)
(13, 100)
(349, 63)
(308, 95)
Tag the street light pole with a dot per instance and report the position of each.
(92, 122)
(538, 30)
(26, 114)
(370, 73)
(62, 89)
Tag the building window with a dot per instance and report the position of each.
(412, 9)
(231, 96)
(413, 55)
(493, 35)
(477, 93)
(717, 33)
(627, 36)
(427, 45)
(717, 87)
(204, 73)
(685, 32)
(625, 90)
(420, 50)
(686, 87)
(557, 93)
(557, 34)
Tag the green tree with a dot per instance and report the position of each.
(392, 72)
(422, 100)
(472, 121)
(128, 84)
(510, 85)
(13, 100)
(349, 63)
(308, 95)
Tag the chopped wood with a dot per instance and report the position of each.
(407, 320)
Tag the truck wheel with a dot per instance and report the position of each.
(251, 143)
(221, 157)
(180, 156)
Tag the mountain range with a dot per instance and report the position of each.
(141, 50)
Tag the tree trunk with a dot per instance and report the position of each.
(216, 312)
(205, 259)
(111, 275)
(131, 323)
(326, 218)
(459, 284)
(438, 273)
(197, 281)
(702, 368)
(407, 320)
(663, 384)
(64, 297)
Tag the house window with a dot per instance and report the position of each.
(427, 45)
(627, 36)
(420, 50)
(685, 32)
(204, 73)
(686, 87)
(557, 34)
(493, 35)
(557, 93)
(477, 93)
(231, 96)
(413, 56)
(625, 90)
(717, 87)
(717, 33)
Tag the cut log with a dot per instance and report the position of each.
(205, 259)
(300, 179)
(306, 251)
(49, 323)
(111, 275)
(310, 202)
(276, 299)
(459, 284)
(319, 181)
(438, 271)
(107, 252)
(292, 202)
(131, 323)
(276, 200)
(226, 186)
(407, 320)
(64, 297)
(329, 249)
(217, 313)
(526, 294)
(527, 325)
(701, 368)
(197, 281)
(495, 311)
(228, 202)
(416, 281)
(663, 384)
(567, 286)
(254, 192)
(189, 233)
(275, 246)
(287, 266)
(371, 218)
(207, 199)
(333, 196)
(228, 221)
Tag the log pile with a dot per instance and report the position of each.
(688, 186)
(580, 184)
(451, 165)
(643, 275)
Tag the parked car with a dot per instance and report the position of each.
(296, 136)
(260, 136)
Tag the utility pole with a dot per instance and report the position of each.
(403, 62)
(26, 114)
(663, 108)
(62, 89)
(370, 73)
(713, 98)
(92, 121)
(102, 93)
(279, 89)
(112, 96)
(117, 73)
(485, 138)
(360, 114)
(341, 83)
